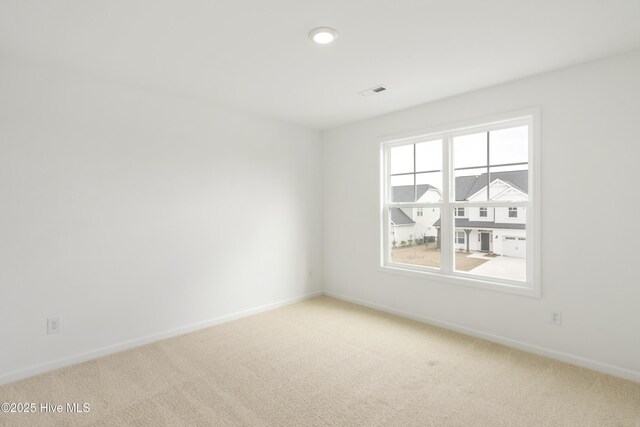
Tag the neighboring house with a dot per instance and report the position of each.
(498, 230)
(414, 223)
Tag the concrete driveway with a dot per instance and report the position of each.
(503, 267)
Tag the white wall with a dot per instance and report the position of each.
(131, 213)
(590, 148)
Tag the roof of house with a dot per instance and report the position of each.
(465, 223)
(398, 217)
(404, 193)
(467, 186)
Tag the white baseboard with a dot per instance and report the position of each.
(125, 345)
(627, 374)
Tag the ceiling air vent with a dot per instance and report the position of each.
(373, 90)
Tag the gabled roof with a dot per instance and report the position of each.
(467, 186)
(404, 193)
(398, 217)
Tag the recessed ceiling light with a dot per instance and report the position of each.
(323, 35)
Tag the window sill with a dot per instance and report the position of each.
(524, 289)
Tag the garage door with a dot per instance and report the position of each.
(514, 246)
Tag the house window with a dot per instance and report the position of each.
(483, 165)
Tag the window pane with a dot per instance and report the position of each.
(429, 156)
(402, 159)
(415, 239)
(402, 188)
(494, 246)
(470, 150)
(506, 183)
(471, 185)
(429, 187)
(509, 183)
(509, 145)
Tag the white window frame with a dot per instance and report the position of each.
(457, 212)
(446, 274)
(511, 210)
(460, 233)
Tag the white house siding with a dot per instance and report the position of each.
(474, 241)
(497, 240)
(431, 196)
(424, 224)
(402, 232)
(502, 216)
(474, 214)
(501, 191)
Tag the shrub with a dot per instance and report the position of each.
(403, 243)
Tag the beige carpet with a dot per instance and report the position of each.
(325, 362)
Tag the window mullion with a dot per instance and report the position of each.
(386, 198)
(488, 167)
(415, 186)
(446, 261)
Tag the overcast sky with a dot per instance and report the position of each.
(506, 146)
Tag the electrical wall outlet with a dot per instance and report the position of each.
(53, 325)
(556, 318)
